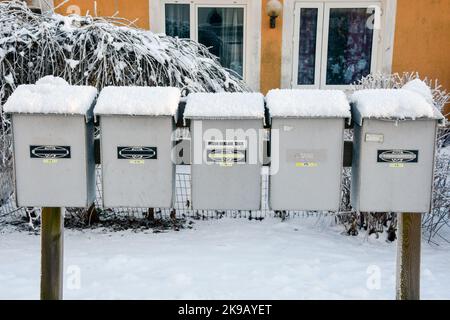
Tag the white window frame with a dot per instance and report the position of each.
(382, 52)
(163, 15)
(296, 44)
(252, 29)
(375, 40)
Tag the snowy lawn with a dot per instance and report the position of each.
(221, 259)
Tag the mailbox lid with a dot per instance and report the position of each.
(382, 183)
(43, 181)
(213, 186)
(392, 104)
(138, 101)
(307, 103)
(136, 157)
(225, 105)
(52, 99)
(306, 164)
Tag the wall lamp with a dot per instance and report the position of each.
(274, 9)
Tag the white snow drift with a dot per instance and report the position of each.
(51, 99)
(392, 104)
(225, 105)
(149, 101)
(307, 103)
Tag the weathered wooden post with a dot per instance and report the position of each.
(52, 235)
(408, 256)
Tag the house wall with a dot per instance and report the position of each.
(271, 50)
(421, 43)
(422, 40)
(131, 10)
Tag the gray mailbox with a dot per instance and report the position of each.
(226, 139)
(136, 125)
(53, 136)
(306, 148)
(394, 151)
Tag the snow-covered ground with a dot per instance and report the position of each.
(221, 259)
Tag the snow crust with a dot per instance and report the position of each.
(51, 80)
(421, 88)
(148, 101)
(308, 103)
(392, 103)
(51, 99)
(225, 105)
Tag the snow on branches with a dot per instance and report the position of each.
(103, 52)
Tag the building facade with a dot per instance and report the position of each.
(314, 44)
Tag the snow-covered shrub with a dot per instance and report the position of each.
(99, 52)
(440, 216)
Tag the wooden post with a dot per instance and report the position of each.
(408, 256)
(52, 227)
(151, 214)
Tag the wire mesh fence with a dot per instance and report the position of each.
(182, 203)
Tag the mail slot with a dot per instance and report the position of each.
(394, 151)
(226, 140)
(136, 126)
(307, 143)
(53, 135)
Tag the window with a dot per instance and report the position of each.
(231, 28)
(222, 30)
(177, 20)
(335, 43)
(221, 27)
(307, 46)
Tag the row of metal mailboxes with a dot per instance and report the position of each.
(393, 161)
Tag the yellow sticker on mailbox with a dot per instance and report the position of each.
(226, 164)
(397, 165)
(137, 161)
(50, 161)
(306, 164)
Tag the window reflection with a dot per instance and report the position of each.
(307, 46)
(222, 31)
(349, 46)
(178, 20)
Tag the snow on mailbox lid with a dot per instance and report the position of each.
(138, 101)
(225, 105)
(52, 99)
(395, 104)
(285, 103)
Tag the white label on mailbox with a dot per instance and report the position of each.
(374, 137)
(226, 152)
(226, 144)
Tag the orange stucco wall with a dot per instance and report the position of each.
(422, 39)
(129, 9)
(270, 52)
